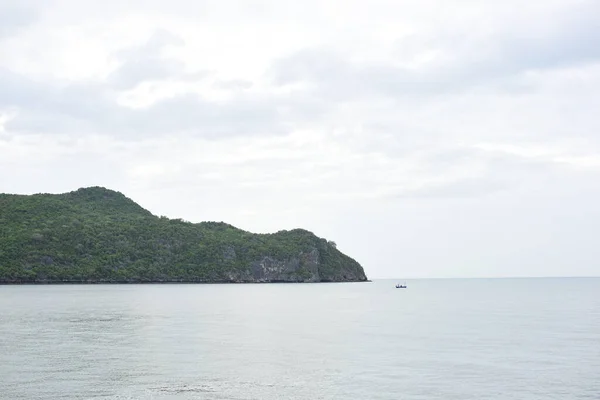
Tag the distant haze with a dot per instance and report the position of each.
(426, 138)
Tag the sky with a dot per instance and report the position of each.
(427, 138)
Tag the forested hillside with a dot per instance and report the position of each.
(96, 235)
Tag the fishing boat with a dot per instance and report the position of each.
(399, 286)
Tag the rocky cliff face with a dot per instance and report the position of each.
(320, 261)
(306, 267)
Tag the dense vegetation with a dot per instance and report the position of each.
(99, 235)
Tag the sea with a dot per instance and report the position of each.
(446, 339)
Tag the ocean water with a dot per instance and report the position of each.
(437, 339)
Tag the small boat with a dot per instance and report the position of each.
(399, 286)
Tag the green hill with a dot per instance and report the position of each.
(96, 235)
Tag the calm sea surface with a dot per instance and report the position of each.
(438, 339)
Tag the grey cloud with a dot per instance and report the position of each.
(47, 107)
(468, 172)
(14, 16)
(573, 40)
(310, 64)
(332, 76)
(237, 84)
(190, 113)
(80, 108)
(146, 62)
(16, 89)
(507, 53)
(459, 189)
(499, 174)
(90, 109)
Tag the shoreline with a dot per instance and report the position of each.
(57, 283)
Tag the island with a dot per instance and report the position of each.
(97, 235)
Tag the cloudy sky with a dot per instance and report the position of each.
(428, 138)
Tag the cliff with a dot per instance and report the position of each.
(96, 235)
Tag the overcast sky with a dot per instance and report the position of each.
(428, 138)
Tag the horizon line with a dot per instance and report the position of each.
(494, 277)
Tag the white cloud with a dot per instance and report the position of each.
(543, 154)
(5, 117)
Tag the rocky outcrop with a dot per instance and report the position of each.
(306, 267)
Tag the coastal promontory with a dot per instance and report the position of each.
(97, 235)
